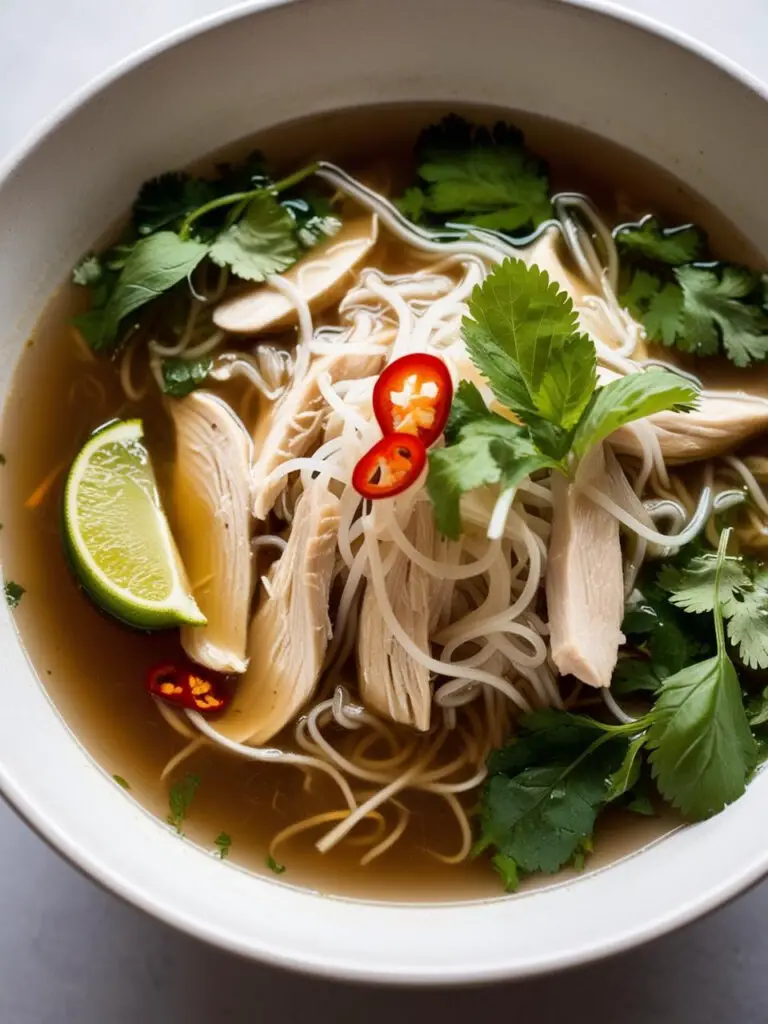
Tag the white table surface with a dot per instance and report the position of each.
(72, 954)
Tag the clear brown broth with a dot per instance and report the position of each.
(93, 668)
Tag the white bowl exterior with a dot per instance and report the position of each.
(259, 69)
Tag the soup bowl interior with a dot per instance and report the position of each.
(244, 74)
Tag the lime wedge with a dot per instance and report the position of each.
(117, 534)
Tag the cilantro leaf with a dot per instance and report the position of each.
(465, 466)
(121, 781)
(224, 843)
(630, 398)
(13, 593)
(181, 376)
(180, 797)
(507, 868)
(540, 810)
(674, 246)
(743, 599)
(478, 176)
(722, 306)
(702, 310)
(274, 865)
(521, 338)
(165, 201)
(486, 449)
(261, 243)
(692, 588)
(702, 749)
(314, 219)
(155, 264)
(627, 774)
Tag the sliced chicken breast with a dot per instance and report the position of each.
(584, 582)
(211, 498)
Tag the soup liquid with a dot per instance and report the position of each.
(94, 668)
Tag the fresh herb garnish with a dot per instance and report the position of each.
(523, 337)
(274, 865)
(236, 220)
(262, 242)
(742, 598)
(224, 843)
(13, 593)
(180, 797)
(474, 175)
(702, 750)
(547, 787)
(702, 308)
(181, 376)
(121, 781)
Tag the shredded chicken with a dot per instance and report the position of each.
(289, 633)
(392, 682)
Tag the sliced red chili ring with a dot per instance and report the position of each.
(413, 395)
(185, 688)
(390, 467)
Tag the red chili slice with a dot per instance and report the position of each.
(185, 689)
(413, 395)
(390, 467)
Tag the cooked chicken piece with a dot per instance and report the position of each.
(211, 495)
(391, 681)
(720, 423)
(322, 276)
(297, 420)
(584, 584)
(289, 633)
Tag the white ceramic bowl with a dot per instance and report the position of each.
(667, 98)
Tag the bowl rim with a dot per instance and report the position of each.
(34, 814)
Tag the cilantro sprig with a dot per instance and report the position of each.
(523, 337)
(688, 301)
(474, 175)
(547, 788)
(240, 220)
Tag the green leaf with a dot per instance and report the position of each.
(314, 219)
(657, 305)
(540, 817)
(569, 382)
(635, 675)
(121, 781)
(673, 246)
(702, 750)
(723, 305)
(181, 376)
(13, 593)
(543, 735)
(692, 588)
(224, 843)
(165, 201)
(521, 323)
(155, 264)
(518, 458)
(477, 176)
(463, 467)
(273, 865)
(743, 600)
(261, 243)
(630, 398)
(180, 797)
(467, 406)
(507, 868)
(626, 775)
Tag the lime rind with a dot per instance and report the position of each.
(119, 508)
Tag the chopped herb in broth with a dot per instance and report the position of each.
(449, 496)
(224, 843)
(13, 593)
